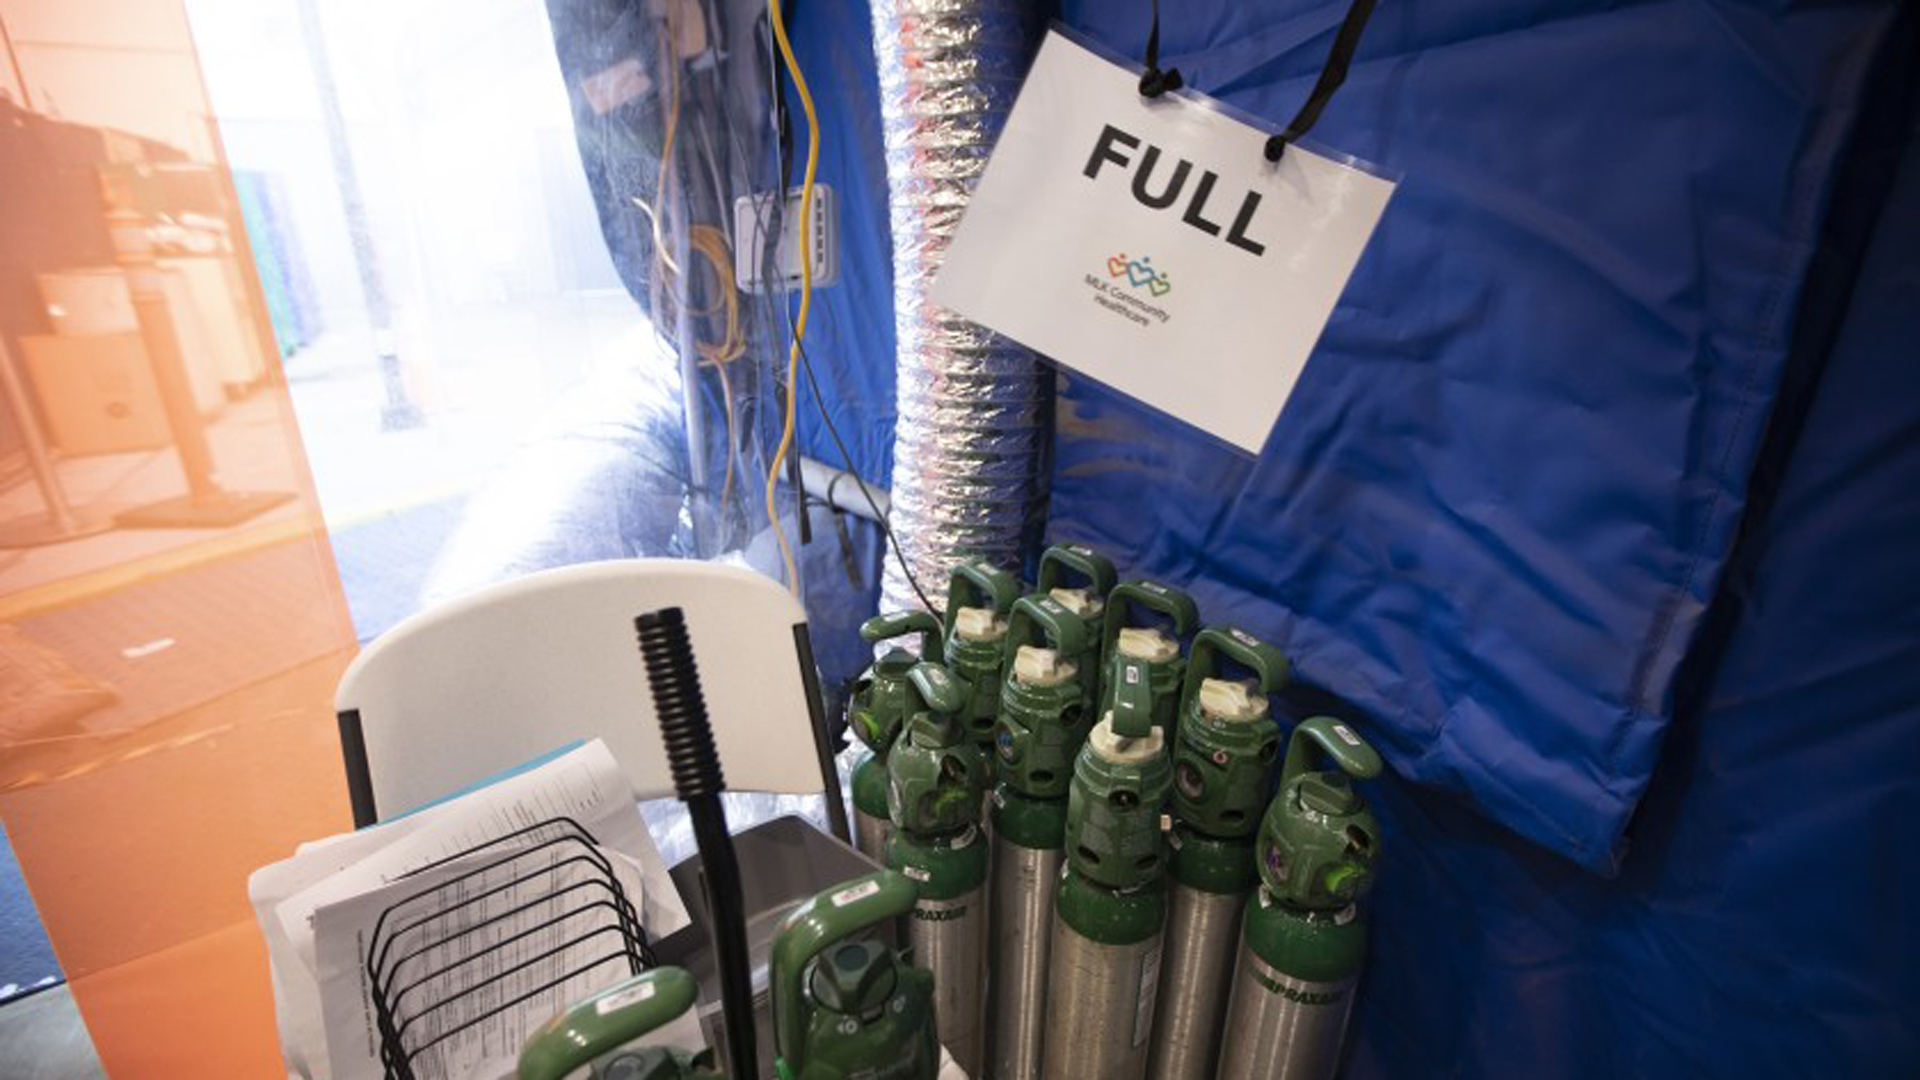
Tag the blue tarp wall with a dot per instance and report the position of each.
(1596, 509)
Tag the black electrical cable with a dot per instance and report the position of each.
(674, 679)
(846, 461)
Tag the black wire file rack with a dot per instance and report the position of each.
(535, 913)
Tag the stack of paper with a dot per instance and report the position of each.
(474, 920)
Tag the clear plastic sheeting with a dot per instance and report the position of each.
(670, 113)
(974, 408)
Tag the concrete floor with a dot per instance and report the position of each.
(42, 1038)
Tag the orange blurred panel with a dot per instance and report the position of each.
(166, 676)
(201, 1009)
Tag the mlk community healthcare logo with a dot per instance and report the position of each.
(1127, 279)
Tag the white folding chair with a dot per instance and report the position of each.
(485, 683)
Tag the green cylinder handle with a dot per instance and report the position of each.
(1334, 739)
(1094, 567)
(1132, 699)
(820, 922)
(901, 623)
(608, 1020)
(1164, 599)
(979, 584)
(939, 689)
(1041, 618)
(1268, 664)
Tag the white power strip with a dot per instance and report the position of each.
(753, 215)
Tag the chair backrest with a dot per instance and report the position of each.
(483, 684)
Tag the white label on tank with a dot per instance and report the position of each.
(1149, 990)
(917, 874)
(1346, 734)
(620, 999)
(854, 893)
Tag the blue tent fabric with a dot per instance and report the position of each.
(1503, 493)
(1763, 923)
(850, 332)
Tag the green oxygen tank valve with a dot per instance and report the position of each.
(935, 777)
(980, 599)
(1043, 702)
(1318, 840)
(1227, 742)
(599, 1034)
(1079, 579)
(845, 1008)
(1120, 787)
(1304, 942)
(1124, 637)
(877, 711)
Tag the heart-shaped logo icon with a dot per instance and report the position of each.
(1159, 286)
(1117, 265)
(1140, 273)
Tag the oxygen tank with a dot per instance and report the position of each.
(936, 780)
(1223, 758)
(980, 598)
(1043, 709)
(600, 1034)
(877, 710)
(1156, 644)
(1304, 938)
(845, 1009)
(1105, 963)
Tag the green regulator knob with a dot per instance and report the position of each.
(841, 1005)
(598, 1034)
(1043, 701)
(936, 778)
(1227, 741)
(1080, 579)
(1123, 636)
(1318, 841)
(1120, 786)
(882, 700)
(980, 598)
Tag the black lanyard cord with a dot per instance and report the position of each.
(1153, 81)
(1331, 76)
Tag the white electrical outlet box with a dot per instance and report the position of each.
(754, 218)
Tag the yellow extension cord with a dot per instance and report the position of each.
(806, 285)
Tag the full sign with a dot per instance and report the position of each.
(1151, 245)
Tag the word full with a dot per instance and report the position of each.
(1110, 147)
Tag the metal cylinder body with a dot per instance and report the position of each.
(1027, 852)
(1103, 973)
(948, 933)
(871, 825)
(1203, 929)
(1293, 988)
(1209, 879)
(949, 939)
(870, 836)
(1282, 1028)
(974, 409)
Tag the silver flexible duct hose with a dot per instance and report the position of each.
(974, 409)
